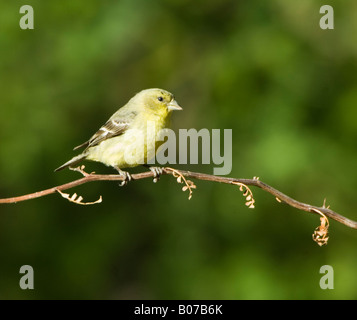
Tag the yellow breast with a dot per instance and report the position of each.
(136, 145)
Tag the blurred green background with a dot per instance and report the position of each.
(266, 70)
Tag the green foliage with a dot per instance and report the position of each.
(262, 68)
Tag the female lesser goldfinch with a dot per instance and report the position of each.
(131, 136)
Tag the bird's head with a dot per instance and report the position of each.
(159, 101)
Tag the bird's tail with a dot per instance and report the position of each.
(72, 162)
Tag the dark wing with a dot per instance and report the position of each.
(111, 129)
(115, 126)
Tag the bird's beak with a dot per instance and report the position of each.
(173, 105)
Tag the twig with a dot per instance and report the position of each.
(189, 185)
(255, 182)
(78, 199)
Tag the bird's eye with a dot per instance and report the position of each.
(160, 98)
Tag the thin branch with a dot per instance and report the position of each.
(280, 197)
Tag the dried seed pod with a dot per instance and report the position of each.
(320, 235)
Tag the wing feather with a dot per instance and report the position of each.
(115, 126)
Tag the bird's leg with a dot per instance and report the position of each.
(125, 174)
(157, 171)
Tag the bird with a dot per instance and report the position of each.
(131, 136)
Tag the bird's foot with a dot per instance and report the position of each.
(157, 171)
(126, 175)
